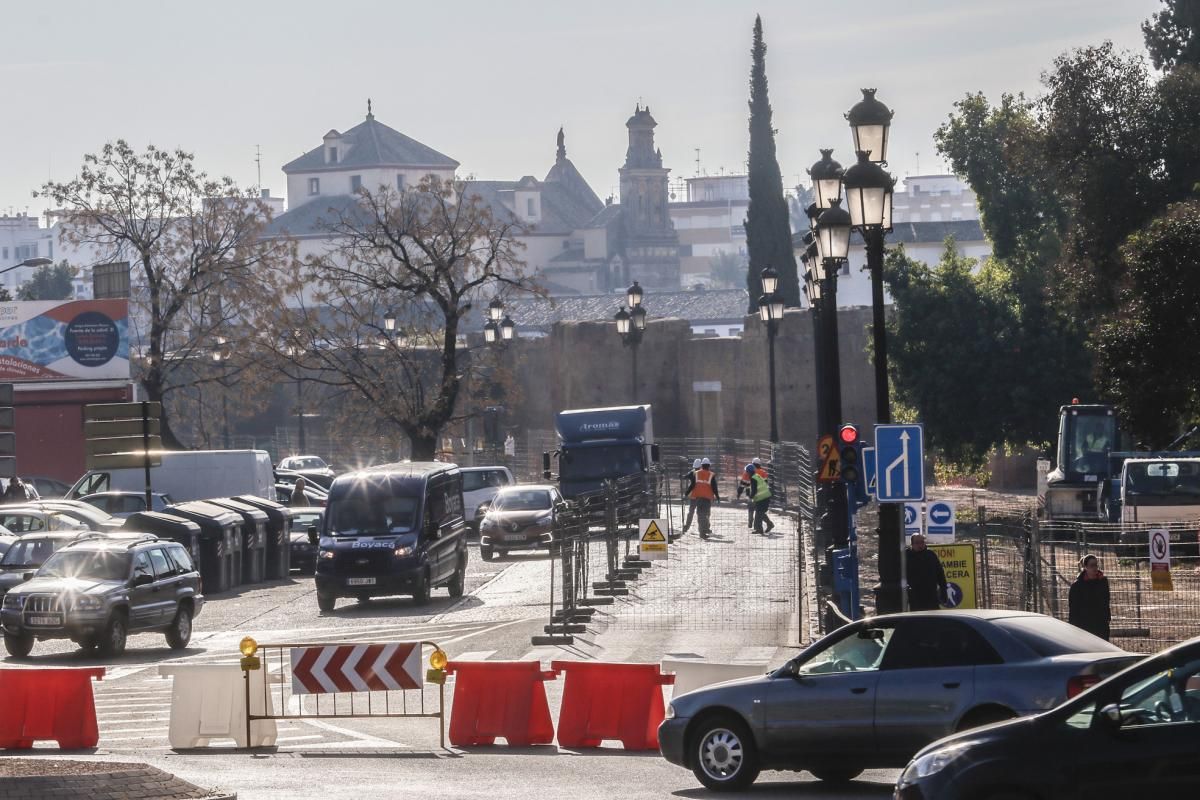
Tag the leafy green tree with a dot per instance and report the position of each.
(5, 295)
(51, 282)
(1173, 34)
(768, 232)
(1143, 350)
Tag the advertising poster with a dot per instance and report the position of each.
(64, 340)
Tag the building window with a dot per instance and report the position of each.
(531, 207)
(314, 185)
(400, 183)
(333, 155)
(355, 182)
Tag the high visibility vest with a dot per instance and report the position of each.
(761, 471)
(703, 489)
(761, 490)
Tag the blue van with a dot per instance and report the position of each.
(393, 529)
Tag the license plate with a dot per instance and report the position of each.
(360, 581)
(45, 620)
(514, 537)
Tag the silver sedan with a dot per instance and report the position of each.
(873, 693)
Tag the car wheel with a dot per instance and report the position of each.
(487, 553)
(723, 754)
(458, 583)
(836, 774)
(180, 632)
(421, 590)
(979, 717)
(18, 645)
(115, 634)
(326, 602)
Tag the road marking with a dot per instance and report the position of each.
(363, 738)
(475, 655)
(282, 739)
(133, 730)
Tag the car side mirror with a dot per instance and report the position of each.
(1112, 716)
(655, 454)
(27, 575)
(546, 466)
(312, 535)
(141, 579)
(482, 509)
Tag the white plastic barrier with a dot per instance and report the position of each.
(209, 702)
(694, 673)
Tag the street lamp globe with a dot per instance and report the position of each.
(495, 310)
(770, 307)
(869, 121)
(508, 328)
(633, 295)
(770, 280)
(869, 194)
(389, 321)
(489, 332)
(833, 233)
(826, 176)
(622, 318)
(637, 315)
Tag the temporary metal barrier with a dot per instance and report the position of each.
(341, 680)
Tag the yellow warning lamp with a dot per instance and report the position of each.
(438, 659)
(248, 646)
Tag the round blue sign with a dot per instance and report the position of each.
(92, 339)
(939, 513)
(910, 515)
(954, 595)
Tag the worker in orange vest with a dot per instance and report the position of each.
(704, 492)
(689, 482)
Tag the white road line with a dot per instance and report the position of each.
(474, 655)
(120, 672)
(360, 737)
(104, 739)
(124, 704)
(282, 739)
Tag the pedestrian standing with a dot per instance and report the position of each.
(1088, 601)
(689, 483)
(704, 492)
(15, 491)
(760, 499)
(926, 578)
(298, 496)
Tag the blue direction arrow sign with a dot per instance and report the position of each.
(940, 519)
(900, 458)
(868, 459)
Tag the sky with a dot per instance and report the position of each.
(489, 83)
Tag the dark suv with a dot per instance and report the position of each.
(97, 591)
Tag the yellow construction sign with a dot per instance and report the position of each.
(958, 562)
(653, 542)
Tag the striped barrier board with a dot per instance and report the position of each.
(328, 669)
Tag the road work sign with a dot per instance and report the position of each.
(1160, 561)
(652, 541)
(958, 562)
(831, 469)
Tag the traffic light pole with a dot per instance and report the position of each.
(889, 593)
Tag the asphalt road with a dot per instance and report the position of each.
(717, 599)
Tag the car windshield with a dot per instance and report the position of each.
(29, 552)
(93, 564)
(474, 480)
(305, 463)
(526, 500)
(861, 650)
(302, 522)
(1163, 478)
(1048, 637)
(365, 513)
(593, 463)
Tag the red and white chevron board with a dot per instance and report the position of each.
(356, 668)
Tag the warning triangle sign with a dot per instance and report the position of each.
(653, 534)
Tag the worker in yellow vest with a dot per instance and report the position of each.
(760, 497)
(703, 493)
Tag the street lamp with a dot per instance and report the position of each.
(631, 325)
(633, 295)
(770, 311)
(826, 176)
(389, 321)
(508, 329)
(870, 121)
(495, 310)
(219, 354)
(489, 332)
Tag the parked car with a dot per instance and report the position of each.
(1136, 734)
(99, 590)
(47, 488)
(874, 692)
(480, 485)
(303, 546)
(7, 540)
(28, 519)
(29, 552)
(313, 468)
(122, 504)
(91, 516)
(519, 518)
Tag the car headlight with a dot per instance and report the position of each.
(13, 600)
(933, 763)
(326, 554)
(85, 602)
(403, 550)
(670, 711)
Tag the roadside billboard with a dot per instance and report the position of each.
(64, 340)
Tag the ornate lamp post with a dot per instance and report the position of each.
(631, 325)
(869, 194)
(220, 354)
(770, 310)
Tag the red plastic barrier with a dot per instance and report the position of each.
(500, 698)
(611, 701)
(39, 704)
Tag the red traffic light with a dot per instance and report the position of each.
(848, 434)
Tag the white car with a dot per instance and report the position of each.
(480, 485)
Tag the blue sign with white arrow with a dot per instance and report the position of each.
(940, 521)
(899, 459)
(868, 459)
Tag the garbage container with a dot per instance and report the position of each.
(167, 526)
(279, 524)
(254, 537)
(220, 543)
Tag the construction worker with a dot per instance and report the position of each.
(689, 482)
(760, 497)
(704, 492)
(745, 486)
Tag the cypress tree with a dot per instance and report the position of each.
(768, 234)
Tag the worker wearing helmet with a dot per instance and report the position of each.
(704, 492)
(689, 482)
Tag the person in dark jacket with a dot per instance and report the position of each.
(1088, 600)
(926, 578)
(299, 498)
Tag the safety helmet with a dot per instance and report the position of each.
(705, 463)
(758, 462)
(696, 464)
